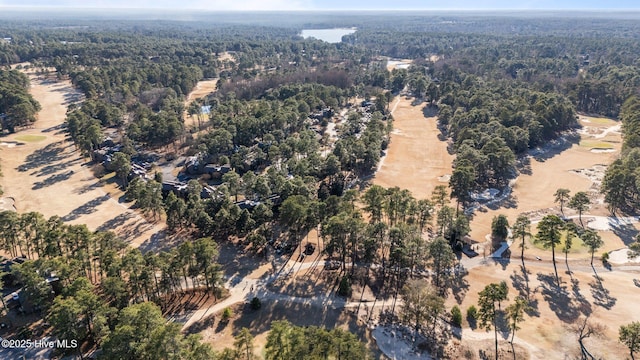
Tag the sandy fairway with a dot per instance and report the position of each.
(51, 177)
(534, 190)
(416, 160)
(203, 88)
(610, 302)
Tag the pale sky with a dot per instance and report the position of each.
(332, 4)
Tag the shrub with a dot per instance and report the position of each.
(472, 316)
(344, 289)
(472, 312)
(256, 304)
(99, 171)
(456, 316)
(605, 258)
(227, 314)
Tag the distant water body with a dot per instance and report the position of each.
(328, 35)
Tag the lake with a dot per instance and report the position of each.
(328, 35)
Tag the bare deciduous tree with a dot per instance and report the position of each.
(584, 328)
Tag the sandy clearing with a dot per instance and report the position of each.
(602, 223)
(227, 56)
(392, 344)
(416, 159)
(399, 64)
(202, 89)
(51, 177)
(548, 330)
(533, 191)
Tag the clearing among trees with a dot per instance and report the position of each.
(49, 175)
(551, 168)
(416, 159)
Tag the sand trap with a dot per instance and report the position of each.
(7, 204)
(600, 150)
(621, 257)
(395, 344)
(604, 223)
(10, 144)
(399, 64)
(612, 130)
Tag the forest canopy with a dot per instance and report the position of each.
(17, 107)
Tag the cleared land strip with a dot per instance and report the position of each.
(51, 177)
(416, 159)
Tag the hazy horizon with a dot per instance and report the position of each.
(317, 5)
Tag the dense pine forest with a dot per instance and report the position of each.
(17, 106)
(501, 86)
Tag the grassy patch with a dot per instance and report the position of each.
(30, 138)
(598, 121)
(596, 144)
(109, 177)
(577, 245)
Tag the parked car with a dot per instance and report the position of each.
(309, 249)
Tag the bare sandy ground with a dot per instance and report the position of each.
(416, 160)
(203, 88)
(534, 191)
(610, 302)
(50, 176)
(226, 56)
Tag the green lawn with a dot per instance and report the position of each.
(600, 121)
(577, 246)
(30, 138)
(596, 144)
